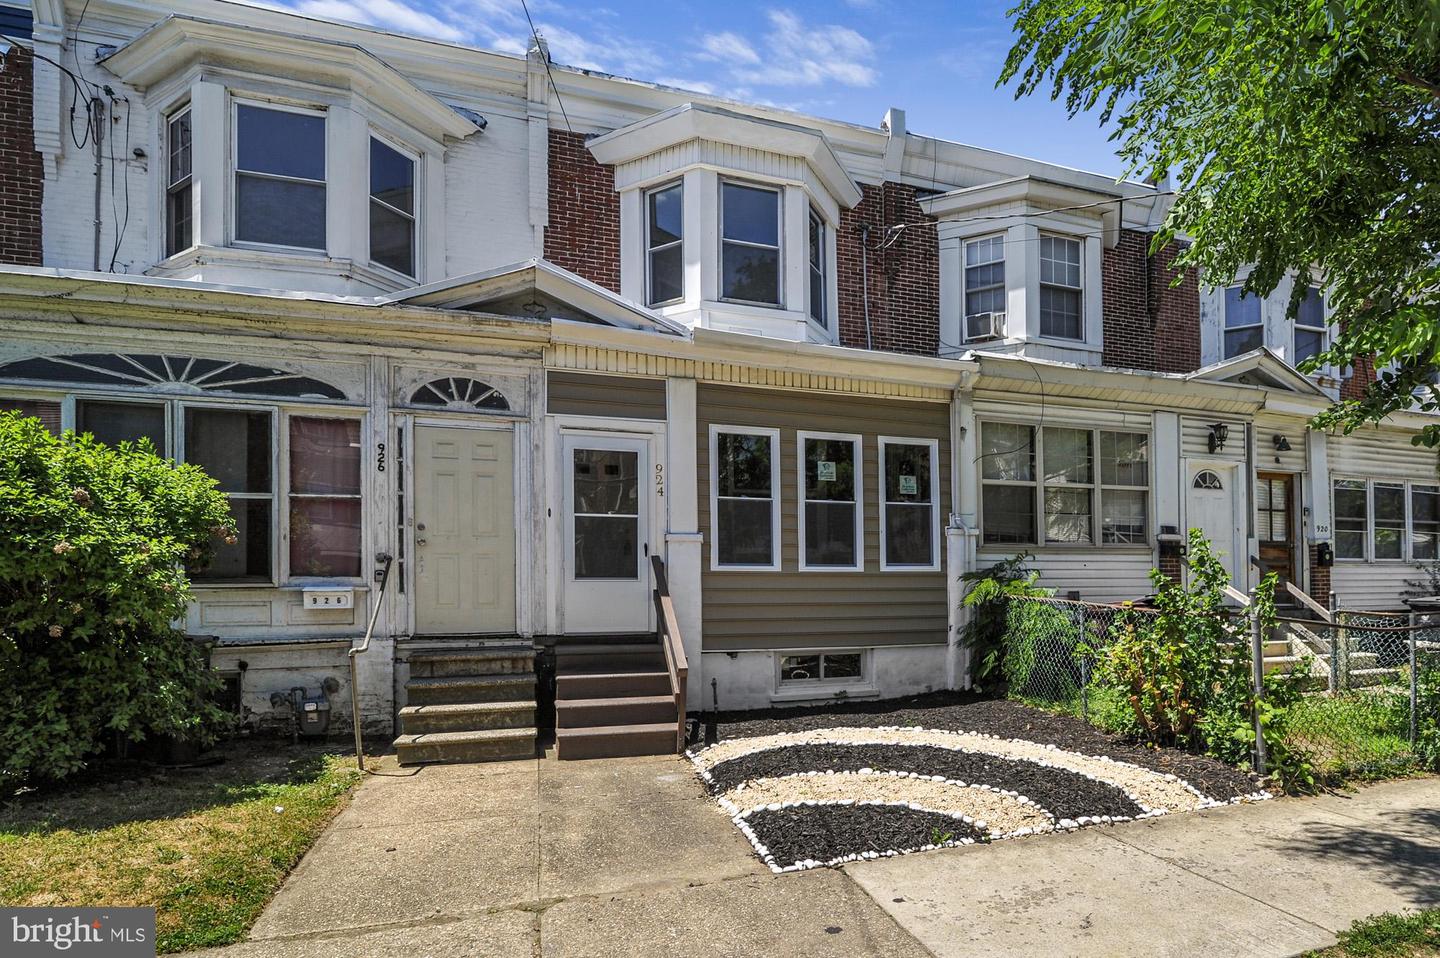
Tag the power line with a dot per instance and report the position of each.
(545, 52)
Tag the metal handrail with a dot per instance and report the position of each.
(361, 649)
(667, 630)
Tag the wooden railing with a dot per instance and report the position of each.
(667, 630)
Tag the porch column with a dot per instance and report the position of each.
(961, 533)
(1319, 526)
(682, 531)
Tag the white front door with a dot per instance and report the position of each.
(1212, 507)
(607, 534)
(464, 530)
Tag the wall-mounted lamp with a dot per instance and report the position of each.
(1281, 443)
(1219, 432)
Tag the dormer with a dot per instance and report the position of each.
(289, 154)
(1020, 266)
(728, 221)
(1234, 322)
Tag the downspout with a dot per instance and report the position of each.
(864, 273)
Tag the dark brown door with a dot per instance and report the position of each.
(1275, 523)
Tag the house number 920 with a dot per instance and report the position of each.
(659, 479)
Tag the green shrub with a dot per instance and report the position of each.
(93, 547)
(987, 597)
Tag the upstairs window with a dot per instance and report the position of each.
(1061, 314)
(392, 208)
(664, 245)
(750, 244)
(179, 206)
(984, 284)
(1310, 325)
(1244, 330)
(818, 310)
(280, 176)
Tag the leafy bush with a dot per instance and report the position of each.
(93, 547)
(987, 599)
(1427, 712)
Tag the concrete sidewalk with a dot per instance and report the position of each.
(629, 857)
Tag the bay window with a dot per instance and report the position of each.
(280, 176)
(1057, 475)
(1310, 325)
(750, 244)
(1244, 329)
(235, 448)
(816, 242)
(984, 282)
(831, 536)
(1061, 312)
(664, 245)
(324, 497)
(392, 208)
(1381, 520)
(744, 498)
(909, 479)
(179, 203)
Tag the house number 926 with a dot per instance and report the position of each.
(379, 457)
(659, 479)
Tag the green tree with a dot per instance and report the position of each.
(1300, 133)
(93, 547)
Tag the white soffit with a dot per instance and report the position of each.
(174, 43)
(691, 121)
(1265, 368)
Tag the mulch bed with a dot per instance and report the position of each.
(824, 833)
(960, 711)
(1063, 793)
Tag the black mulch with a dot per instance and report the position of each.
(961, 711)
(827, 832)
(1063, 793)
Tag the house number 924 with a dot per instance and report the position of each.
(659, 479)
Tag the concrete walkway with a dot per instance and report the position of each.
(628, 857)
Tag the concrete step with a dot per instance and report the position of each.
(613, 741)
(1365, 678)
(627, 657)
(466, 717)
(440, 663)
(1276, 647)
(468, 689)
(1281, 663)
(609, 685)
(1360, 661)
(488, 745)
(625, 710)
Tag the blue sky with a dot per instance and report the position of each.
(846, 59)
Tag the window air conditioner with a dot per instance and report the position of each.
(984, 326)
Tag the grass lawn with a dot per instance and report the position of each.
(1363, 734)
(1389, 936)
(207, 847)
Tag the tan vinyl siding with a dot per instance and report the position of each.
(791, 609)
(625, 397)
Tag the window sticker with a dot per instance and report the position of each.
(825, 471)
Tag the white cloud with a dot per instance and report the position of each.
(804, 54)
(387, 14)
(727, 47)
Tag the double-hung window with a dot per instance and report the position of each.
(1007, 472)
(1352, 521)
(392, 208)
(1387, 536)
(236, 448)
(1124, 487)
(1244, 329)
(750, 244)
(831, 536)
(818, 311)
(1379, 520)
(114, 422)
(745, 498)
(909, 480)
(1310, 325)
(1061, 312)
(984, 283)
(324, 497)
(179, 206)
(1069, 464)
(47, 411)
(664, 232)
(279, 176)
(1424, 522)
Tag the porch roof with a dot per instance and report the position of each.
(1260, 367)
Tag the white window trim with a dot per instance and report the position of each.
(417, 202)
(168, 188)
(1407, 546)
(863, 681)
(1225, 326)
(1079, 290)
(859, 502)
(823, 326)
(234, 172)
(775, 493)
(1004, 288)
(779, 247)
(279, 525)
(934, 446)
(646, 249)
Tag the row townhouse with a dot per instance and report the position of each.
(522, 327)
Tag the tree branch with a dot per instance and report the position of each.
(1419, 83)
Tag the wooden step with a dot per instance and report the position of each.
(614, 741)
(469, 689)
(626, 711)
(440, 663)
(632, 657)
(488, 745)
(609, 685)
(466, 717)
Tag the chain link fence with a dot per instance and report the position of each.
(1369, 681)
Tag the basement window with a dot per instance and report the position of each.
(819, 668)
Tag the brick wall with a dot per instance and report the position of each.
(903, 278)
(1319, 579)
(1362, 374)
(1148, 323)
(583, 234)
(22, 176)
